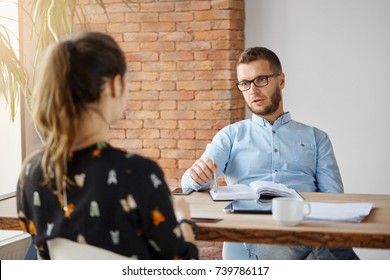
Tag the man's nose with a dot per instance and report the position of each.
(253, 89)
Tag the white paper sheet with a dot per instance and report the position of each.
(339, 212)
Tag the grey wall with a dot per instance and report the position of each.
(335, 55)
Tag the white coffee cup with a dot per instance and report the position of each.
(289, 211)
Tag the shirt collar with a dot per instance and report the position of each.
(283, 119)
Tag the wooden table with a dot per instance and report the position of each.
(372, 232)
(8, 214)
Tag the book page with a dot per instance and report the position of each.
(265, 186)
(256, 185)
(231, 192)
(268, 190)
(264, 191)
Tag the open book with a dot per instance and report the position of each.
(262, 191)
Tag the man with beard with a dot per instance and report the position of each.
(271, 147)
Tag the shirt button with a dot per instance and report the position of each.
(273, 131)
(275, 150)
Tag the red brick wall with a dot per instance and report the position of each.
(181, 60)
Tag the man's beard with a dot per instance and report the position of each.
(271, 108)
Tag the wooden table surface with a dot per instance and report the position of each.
(8, 215)
(372, 232)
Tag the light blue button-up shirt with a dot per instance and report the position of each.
(287, 152)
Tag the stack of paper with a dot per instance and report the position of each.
(339, 212)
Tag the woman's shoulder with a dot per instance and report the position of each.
(130, 159)
(32, 160)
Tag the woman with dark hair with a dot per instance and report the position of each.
(77, 186)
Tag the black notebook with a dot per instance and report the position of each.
(248, 206)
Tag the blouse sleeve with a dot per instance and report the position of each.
(20, 206)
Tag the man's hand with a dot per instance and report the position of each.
(202, 171)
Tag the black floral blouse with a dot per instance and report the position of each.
(120, 202)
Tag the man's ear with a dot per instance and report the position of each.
(116, 85)
(282, 81)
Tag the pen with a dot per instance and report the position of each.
(215, 187)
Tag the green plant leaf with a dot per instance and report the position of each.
(13, 79)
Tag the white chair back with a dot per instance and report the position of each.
(65, 249)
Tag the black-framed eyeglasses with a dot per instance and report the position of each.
(259, 81)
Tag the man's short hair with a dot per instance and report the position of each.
(256, 53)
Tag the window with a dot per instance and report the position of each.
(10, 132)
